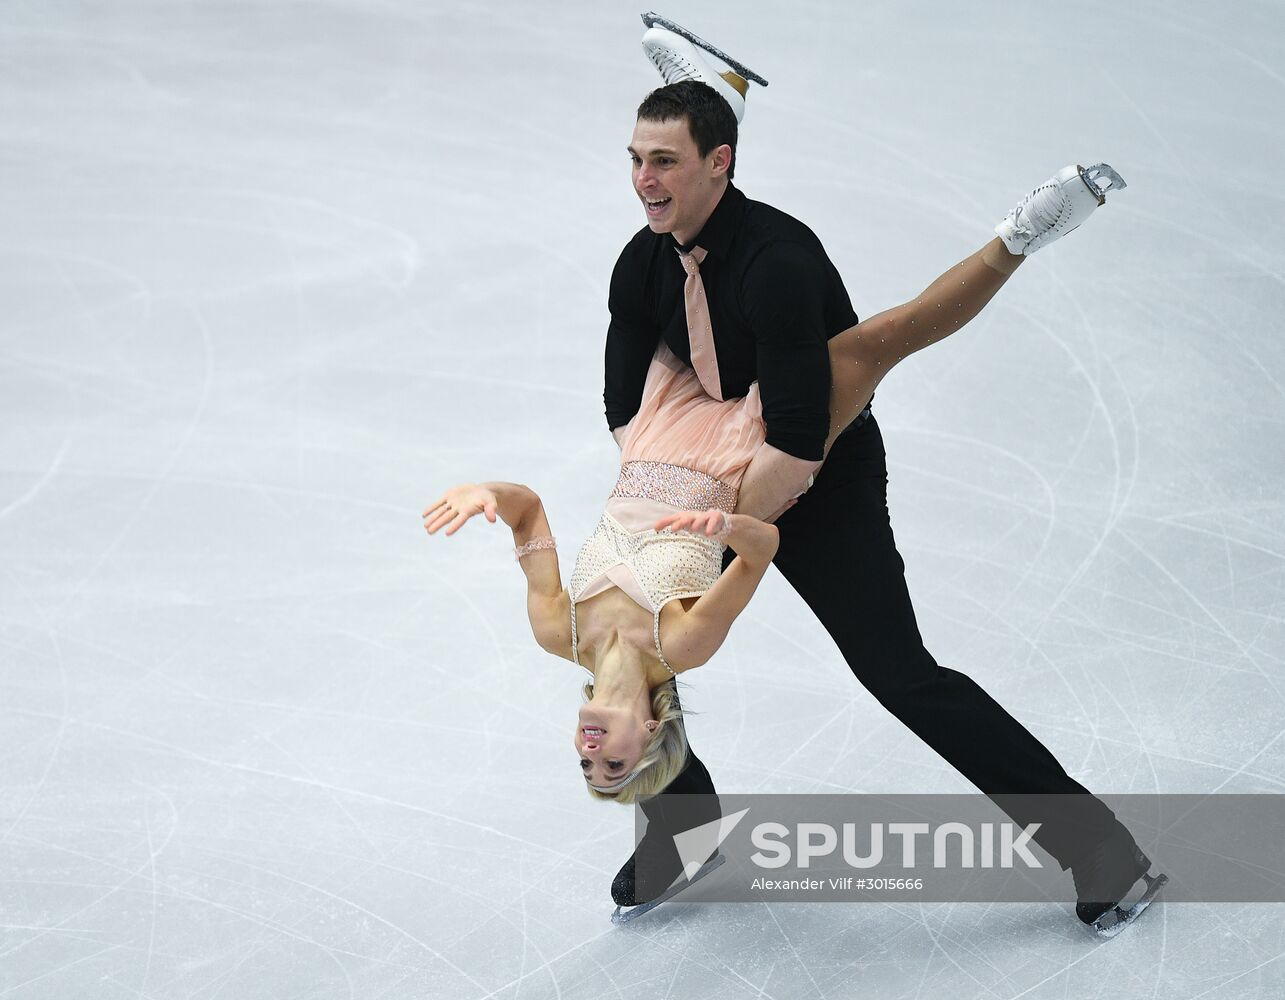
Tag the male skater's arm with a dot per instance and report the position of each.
(631, 343)
(783, 299)
(772, 481)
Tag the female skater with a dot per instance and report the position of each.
(651, 569)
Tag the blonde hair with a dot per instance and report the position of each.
(664, 754)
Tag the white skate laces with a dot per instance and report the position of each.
(679, 55)
(1057, 206)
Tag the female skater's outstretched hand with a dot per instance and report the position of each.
(747, 536)
(457, 505)
(707, 522)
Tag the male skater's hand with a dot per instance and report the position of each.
(457, 505)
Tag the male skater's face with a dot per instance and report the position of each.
(678, 187)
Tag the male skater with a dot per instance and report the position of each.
(774, 299)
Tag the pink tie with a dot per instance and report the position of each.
(700, 332)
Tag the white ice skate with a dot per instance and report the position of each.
(1057, 206)
(679, 55)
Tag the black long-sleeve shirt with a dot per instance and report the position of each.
(774, 301)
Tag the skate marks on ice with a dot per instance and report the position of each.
(245, 752)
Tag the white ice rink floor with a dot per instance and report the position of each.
(277, 274)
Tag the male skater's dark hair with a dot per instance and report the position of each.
(710, 119)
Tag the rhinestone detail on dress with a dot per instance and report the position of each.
(672, 484)
(668, 566)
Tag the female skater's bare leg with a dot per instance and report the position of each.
(861, 356)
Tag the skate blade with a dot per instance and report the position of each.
(1115, 920)
(652, 20)
(1101, 178)
(624, 914)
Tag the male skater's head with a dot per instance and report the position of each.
(684, 153)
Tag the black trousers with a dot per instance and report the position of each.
(837, 551)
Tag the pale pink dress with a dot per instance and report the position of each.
(679, 424)
(683, 450)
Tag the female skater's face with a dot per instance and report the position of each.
(609, 742)
(677, 186)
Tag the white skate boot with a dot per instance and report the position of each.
(680, 55)
(1057, 206)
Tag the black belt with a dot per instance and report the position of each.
(857, 421)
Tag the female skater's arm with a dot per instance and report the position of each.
(520, 508)
(702, 629)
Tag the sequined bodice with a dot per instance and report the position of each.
(665, 566)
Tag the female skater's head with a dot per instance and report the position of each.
(625, 753)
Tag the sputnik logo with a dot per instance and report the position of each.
(695, 846)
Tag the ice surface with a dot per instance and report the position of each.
(276, 274)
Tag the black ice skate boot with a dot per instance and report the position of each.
(1104, 878)
(689, 801)
(663, 881)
